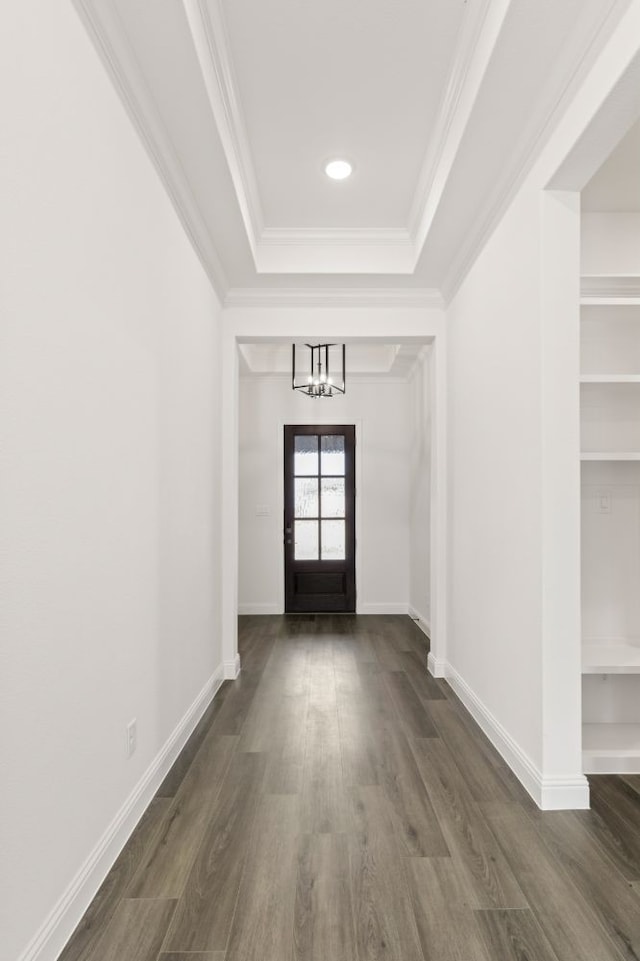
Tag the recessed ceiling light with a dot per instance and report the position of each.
(338, 169)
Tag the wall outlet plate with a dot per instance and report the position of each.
(603, 500)
(132, 736)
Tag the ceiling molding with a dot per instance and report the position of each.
(333, 297)
(113, 48)
(335, 251)
(209, 32)
(482, 27)
(529, 148)
(343, 236)
(341, 250)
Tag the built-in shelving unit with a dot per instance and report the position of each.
(611, 657)
(611, 748)
(610, 455)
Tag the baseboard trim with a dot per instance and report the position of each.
(436, 668)
(390, 607)
(258, 609)
(232, 668)
(60, 924)
(420, 619)
(564, 794)
(550, 793)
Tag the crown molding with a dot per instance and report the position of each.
(112, 46)
(346, 250)
(527, 153)
(342, 236)
(333, 297)
(211, 41)
(481, 30)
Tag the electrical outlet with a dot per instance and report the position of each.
(132, 737)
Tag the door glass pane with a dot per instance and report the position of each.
(333, 496)
(306, 497)
(332, 459)
(333, 541)
(305, 454)
(306, 540)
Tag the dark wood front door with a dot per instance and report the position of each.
(319, 518)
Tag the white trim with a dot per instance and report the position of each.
(478, 39)
(333, 297)
(209, 33)
(551, 793)
(58, 927)
(259, 609)
(354, 378)
(436, 668)
(617, 288)
(420, 620)
(232, 668)
(340, 236)
(109, 40)
(384, 607)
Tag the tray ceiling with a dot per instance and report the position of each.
(439, 104)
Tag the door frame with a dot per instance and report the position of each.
(366, 319)
(329, 421)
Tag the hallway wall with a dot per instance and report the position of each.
(109, 475)
(381, 412)
(514, 650)
(420, 451)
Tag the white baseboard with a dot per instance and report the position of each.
(58, 927)
(436, 668)
(260, 609)
(390, 607)
(420, 619)
(549, 793)
(232, 668)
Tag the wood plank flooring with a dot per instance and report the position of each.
(336, 803)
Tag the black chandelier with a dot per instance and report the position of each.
(321, 372)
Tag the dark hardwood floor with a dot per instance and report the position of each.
(336, 803)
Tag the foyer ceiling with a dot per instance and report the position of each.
(440, 105)
(364, 360)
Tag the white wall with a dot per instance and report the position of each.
(109, 475)
(381, 412)
(420, 447)
(610, 243)
(513, 416)
(495, 451)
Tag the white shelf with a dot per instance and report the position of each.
(610, 379)
(610, 455)
(609, 289)
(610, 657)
(611, 748)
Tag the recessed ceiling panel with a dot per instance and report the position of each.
(355, 79)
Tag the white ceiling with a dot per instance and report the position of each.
(616, 186)
(440, 105)
(361, 79)
(379, 361)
